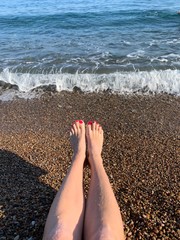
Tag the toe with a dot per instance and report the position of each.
(100, 130)
(72, 131)
(94, 126)
(88, 128)
(75, 128)
(77, 124)
(89, 125)
(81, 125)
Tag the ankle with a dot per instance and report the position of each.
(78, 156)
(95, 161)
(94, 156)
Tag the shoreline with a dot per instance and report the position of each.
(144, 81)
(141, 152)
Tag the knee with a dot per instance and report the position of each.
(105, 233)
(58, 234)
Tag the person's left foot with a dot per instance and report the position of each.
(77, 138)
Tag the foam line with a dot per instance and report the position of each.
(167, 81)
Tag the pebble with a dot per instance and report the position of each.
(33, 223)
(16, 238)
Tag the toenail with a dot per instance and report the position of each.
(80, 121)
(77, 120)
(90, 123)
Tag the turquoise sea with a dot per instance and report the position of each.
(125, 46)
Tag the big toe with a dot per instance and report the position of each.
(81, 126)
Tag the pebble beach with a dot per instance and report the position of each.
(141, 156)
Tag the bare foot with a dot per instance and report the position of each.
(94, 136)
(77, 139)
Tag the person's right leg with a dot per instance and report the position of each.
(102, 217)
(66, 215)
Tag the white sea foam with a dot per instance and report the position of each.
(172, 56)
(137, 54)
(159, 60)
(167, 81)
(9, 95)
(165, 41)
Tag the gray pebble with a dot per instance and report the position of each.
(16, 238)
(33, 223)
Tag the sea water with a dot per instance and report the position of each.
(124, 46)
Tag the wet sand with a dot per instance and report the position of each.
(141, 155)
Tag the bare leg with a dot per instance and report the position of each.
(66, 215)
(102, 218)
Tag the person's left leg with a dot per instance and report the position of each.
(66, 215)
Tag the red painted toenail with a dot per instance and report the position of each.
(90, 123)
(77, 120)
(80, 121)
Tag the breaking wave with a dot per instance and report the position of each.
(163, 81)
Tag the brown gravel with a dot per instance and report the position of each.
(141, 156)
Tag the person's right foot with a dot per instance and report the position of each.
(77, 139)
(94, 137)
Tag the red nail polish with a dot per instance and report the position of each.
(77, 120)
(80, 121)
(90, 123)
